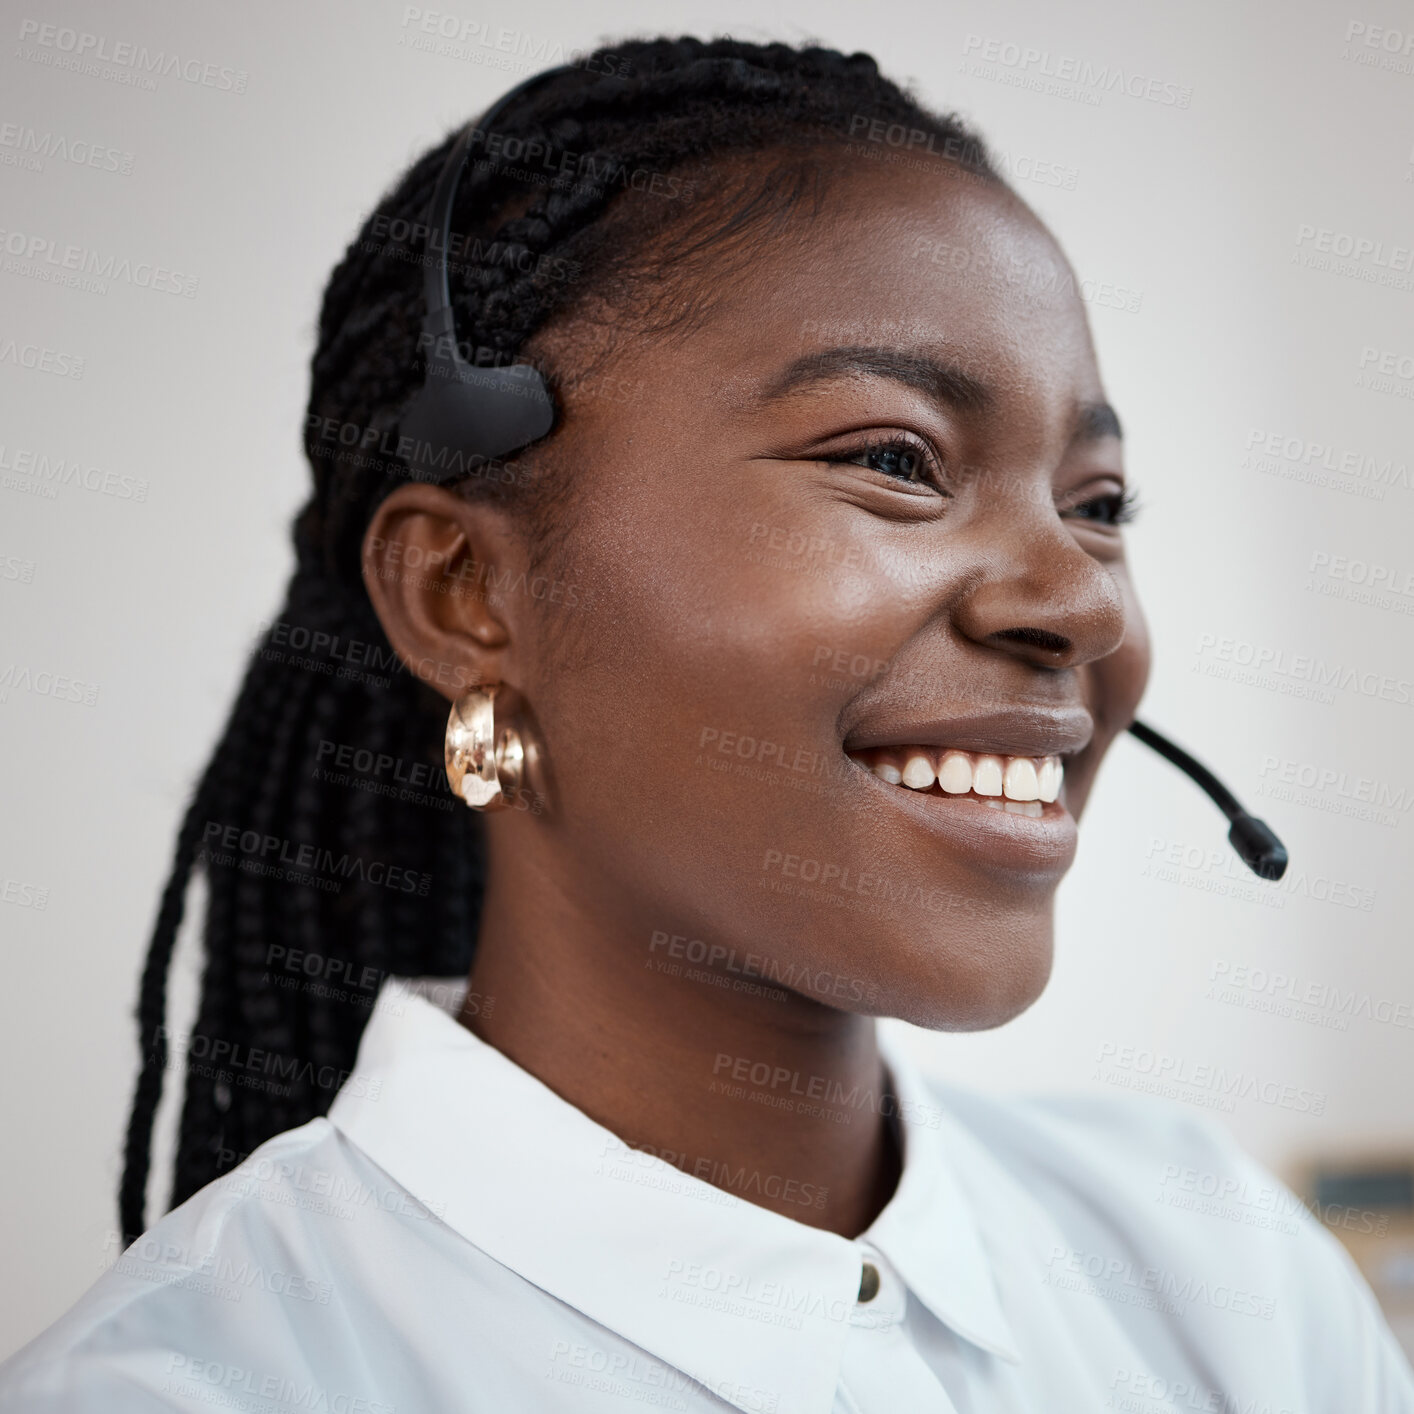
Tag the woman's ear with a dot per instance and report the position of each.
(428, 557)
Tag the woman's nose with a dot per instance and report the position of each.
(1037, 594)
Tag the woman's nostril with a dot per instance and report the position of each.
(1035, 638)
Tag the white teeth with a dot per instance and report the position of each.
(1048, 779)
(987, 775)
(1019, 781)
(1021, 807)
(1026, 785)
(918, 773)
(955, 773)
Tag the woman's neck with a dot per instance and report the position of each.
(758, 1091)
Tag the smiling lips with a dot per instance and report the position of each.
(1020, 785)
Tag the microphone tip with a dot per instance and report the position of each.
(1258, 846)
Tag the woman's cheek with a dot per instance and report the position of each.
(1115, 690)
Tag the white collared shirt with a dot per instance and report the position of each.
(456, 1237)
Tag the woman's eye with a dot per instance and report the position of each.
(1117, 508)
(896, 458)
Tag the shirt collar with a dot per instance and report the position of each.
(751, 1304)
(928, 1230)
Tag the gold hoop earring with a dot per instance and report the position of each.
(484, 775)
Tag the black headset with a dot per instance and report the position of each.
(464, 410)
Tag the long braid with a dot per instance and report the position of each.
(295, 923)
(258, 691)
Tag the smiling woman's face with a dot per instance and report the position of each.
(861, 516)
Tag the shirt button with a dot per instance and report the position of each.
(868, 1282)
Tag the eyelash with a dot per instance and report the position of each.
(932, 472)
(1122, 507)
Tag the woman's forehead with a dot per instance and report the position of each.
(935, 263)
(904, 258)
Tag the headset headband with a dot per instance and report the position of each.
(465, 414)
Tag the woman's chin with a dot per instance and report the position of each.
(984, 990)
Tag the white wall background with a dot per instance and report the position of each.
(1199, 209)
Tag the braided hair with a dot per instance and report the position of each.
(322, 881)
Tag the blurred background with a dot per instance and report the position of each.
(1235, 186)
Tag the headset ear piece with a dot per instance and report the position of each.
(464, 415)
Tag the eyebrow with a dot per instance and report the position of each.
(1094, 421)
(944, 382)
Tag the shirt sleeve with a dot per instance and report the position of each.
(1352, 1362)
(1328, 1328)
(218, 1305)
